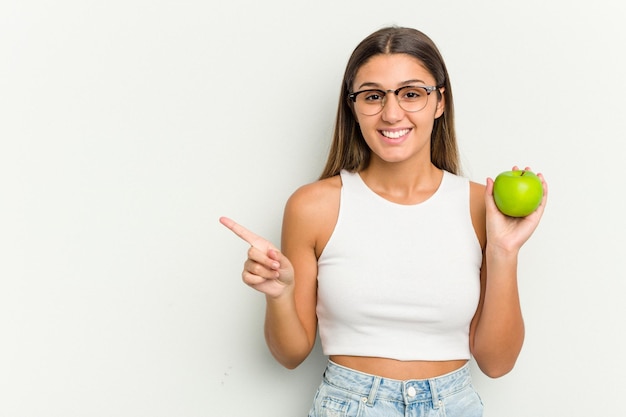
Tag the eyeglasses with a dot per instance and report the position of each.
(411, 98)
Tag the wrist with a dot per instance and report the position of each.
(285, 295)
(493, 251)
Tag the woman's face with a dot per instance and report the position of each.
(395, 134)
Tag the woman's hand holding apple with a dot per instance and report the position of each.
(510, 233)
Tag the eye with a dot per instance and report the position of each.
(373, 96)
(412, 93)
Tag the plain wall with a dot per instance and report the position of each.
(128, 127)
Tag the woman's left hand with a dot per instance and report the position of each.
(510, 233)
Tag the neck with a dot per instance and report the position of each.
(402, 183)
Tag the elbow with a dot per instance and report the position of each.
(290, 359)
(289, 362)
(496, 368)
(291, 365)
(495, 372)
(495, 365)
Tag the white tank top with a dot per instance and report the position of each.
(400, 281)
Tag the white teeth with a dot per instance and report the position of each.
(396, 134)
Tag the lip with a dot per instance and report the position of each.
(394, 136)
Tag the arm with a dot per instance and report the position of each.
(290, 320)
(497, 330)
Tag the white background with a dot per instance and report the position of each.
(128, 127)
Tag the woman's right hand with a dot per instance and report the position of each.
(266, 270)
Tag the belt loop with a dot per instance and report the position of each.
(373, 390)
(434, 394)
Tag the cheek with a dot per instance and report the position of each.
(369, 134)
(365, 125)
(360, 120)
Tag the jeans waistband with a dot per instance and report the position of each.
(409, 391)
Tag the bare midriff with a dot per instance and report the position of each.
(395, 369)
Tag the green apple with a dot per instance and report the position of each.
(517, 193)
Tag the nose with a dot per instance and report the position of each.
(392, 112)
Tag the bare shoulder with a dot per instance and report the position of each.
(310, 198)
(477, 191)
(477, 208)
(312, 211)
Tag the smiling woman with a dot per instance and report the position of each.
(406, 268)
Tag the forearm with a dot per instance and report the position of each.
(285, 335)
(500, 330)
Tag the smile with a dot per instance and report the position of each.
(394, 134)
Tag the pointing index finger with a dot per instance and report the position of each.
(252, 238)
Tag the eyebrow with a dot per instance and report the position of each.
(402, 84)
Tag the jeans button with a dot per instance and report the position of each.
(411, 391)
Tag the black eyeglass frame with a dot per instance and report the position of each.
(428, 88)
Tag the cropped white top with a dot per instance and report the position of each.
(400, 281)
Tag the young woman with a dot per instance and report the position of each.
(406, 268)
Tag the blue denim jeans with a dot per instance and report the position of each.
(348, 393)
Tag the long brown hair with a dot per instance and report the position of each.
(348, 148)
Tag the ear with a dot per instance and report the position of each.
(441, 103)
